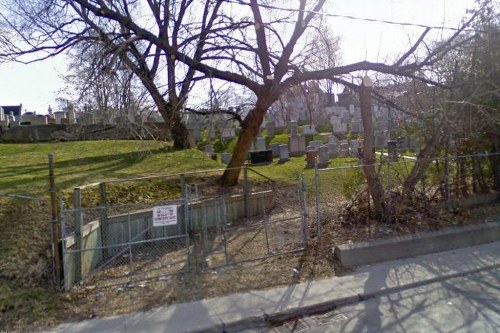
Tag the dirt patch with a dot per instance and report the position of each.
(28, 300)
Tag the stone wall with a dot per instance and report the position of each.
(57, 132)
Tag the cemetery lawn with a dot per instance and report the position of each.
(28, 300)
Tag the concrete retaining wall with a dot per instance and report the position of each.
(363, 253)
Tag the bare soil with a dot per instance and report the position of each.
(28, 300)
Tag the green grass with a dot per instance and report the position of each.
(24, 167)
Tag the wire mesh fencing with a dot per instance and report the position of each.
(449, 182)
(202, 229)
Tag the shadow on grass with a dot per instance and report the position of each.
(30, 175)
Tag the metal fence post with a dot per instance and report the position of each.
(246, 191)
(223, 208)
(266, 230)
(316, 187)
(186, 223)
(77, 211)
(103, 220)
(62, 217)
(54, 223)
(305, 209)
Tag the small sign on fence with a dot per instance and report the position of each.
(164, 215)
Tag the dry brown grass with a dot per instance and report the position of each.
(28, 300)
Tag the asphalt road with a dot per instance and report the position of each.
(465, 304)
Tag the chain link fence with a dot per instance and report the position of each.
(206, 228)
(451, 183)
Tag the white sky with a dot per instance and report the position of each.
(36, 85)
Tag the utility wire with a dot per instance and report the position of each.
(351, 17)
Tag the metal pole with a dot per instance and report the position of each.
(65, 286)
(316, 188)
(265, 225)
(103, 221)
(246, 193)
(223, 208)
(78, 221)
(305, 209)
(54, 222)
(186, 223)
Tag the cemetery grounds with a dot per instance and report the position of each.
(28, 300)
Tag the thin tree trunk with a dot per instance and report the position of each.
(424, 159)
(374, 186)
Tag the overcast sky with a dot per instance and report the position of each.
(36, 86)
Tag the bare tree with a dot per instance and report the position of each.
(143, 36)
(261, 51)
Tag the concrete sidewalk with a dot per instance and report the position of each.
(253, 308)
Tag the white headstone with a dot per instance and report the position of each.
(284, 155)
(308, 130)
(260, 143)
(324, 156)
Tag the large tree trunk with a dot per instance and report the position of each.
(249, 129)
(174, 124)
(374, 186)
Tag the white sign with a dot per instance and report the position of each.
(164, 215)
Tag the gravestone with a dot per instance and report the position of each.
(332, 149)
(225, 158)
(209, 149)
(351, 109)
(355, 148)
(332, 139)
(261, 157)
(308, 130)
(284, 155)
(324, 156)
(297, 145)
(315, 144)
(270, 128)
(311, 157)
(383, 125)
(191, 139)
(260, 144)
(355, 126)
(400, 144)
(294, 128)
(380, 139)
(228, 133)
(275, 148)
(344, 148)
(392, 150)
(196, 132)
(345, 116)
(340, 128)
(334, 120)
(210, 133)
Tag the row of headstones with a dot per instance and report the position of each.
(317, 152)
(229, 133)
(284, 151)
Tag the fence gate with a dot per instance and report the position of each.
(228, 230)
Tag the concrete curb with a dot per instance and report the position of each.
(380, 250)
